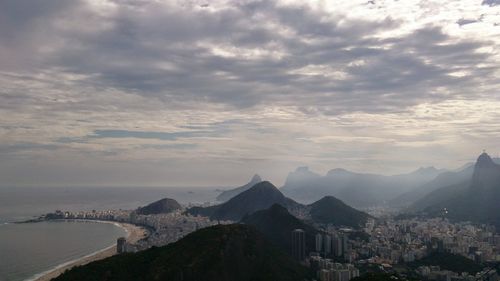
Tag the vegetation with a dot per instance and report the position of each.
(162, 206)
(276, 223)
(222, 253)
(359, 235)
(333, 211)
(452, 262)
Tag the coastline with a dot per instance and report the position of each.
(134, 234)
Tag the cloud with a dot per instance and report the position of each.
(144, 135)
(466, 21)
(228, 56)
(170, 81)
(491, 2)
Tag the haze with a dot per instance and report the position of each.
(200, 93)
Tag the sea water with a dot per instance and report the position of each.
(27, 250)
(31, 248)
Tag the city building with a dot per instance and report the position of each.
(319, 242)
(121, 244)
(298, 244)
(327, 244)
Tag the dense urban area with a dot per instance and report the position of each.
(404, 247)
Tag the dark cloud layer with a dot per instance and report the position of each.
(491, 2)
(171, 53)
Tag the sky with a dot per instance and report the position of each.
(207, 93)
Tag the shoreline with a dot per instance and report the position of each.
(133, 234)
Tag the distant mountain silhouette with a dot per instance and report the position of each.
(259, 197)
(276, 223)
(330, 210)
(356, 189)
(438, 196)
(162, 206)
(475, 199)
(228, 194)
(423, 196)
(442, 180)
(486, 173)
(218, 253)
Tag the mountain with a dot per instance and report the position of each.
(444, 179)
(438, 196)
(259, 197)
(356, 189)
(228, 194)
(218, 253)
(276, 223)
(162, 206)
(330, 210)
(475, 199)
(486, 173)
(448, 179)
(300, 177)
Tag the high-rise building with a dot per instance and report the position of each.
(325, 275)
(319, 242)
(298, 244)
(327, 244)
(121, 244)
(345, 240)
(337, 246)
(342, 275)
(440, 246)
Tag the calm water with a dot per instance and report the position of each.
(23, 203)
(29, 249)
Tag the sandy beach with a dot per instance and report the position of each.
(134, 233)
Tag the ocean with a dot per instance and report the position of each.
(27, 250)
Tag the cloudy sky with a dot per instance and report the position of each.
(190, 93)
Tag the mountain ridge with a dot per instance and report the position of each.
(326, 211)
(162, 206)
(356, 189)
(264, 195)
(260, 196)
(228, 194)
(475, 199)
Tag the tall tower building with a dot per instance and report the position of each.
(298, 244)
(337, 246)
(121, 245)
(319, 242)
(345, 239)
(327, 244)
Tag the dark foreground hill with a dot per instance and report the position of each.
(162, 206)
(330, 210)
(218, 253)
(276, 223)
(261, 196)
(228, 194)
